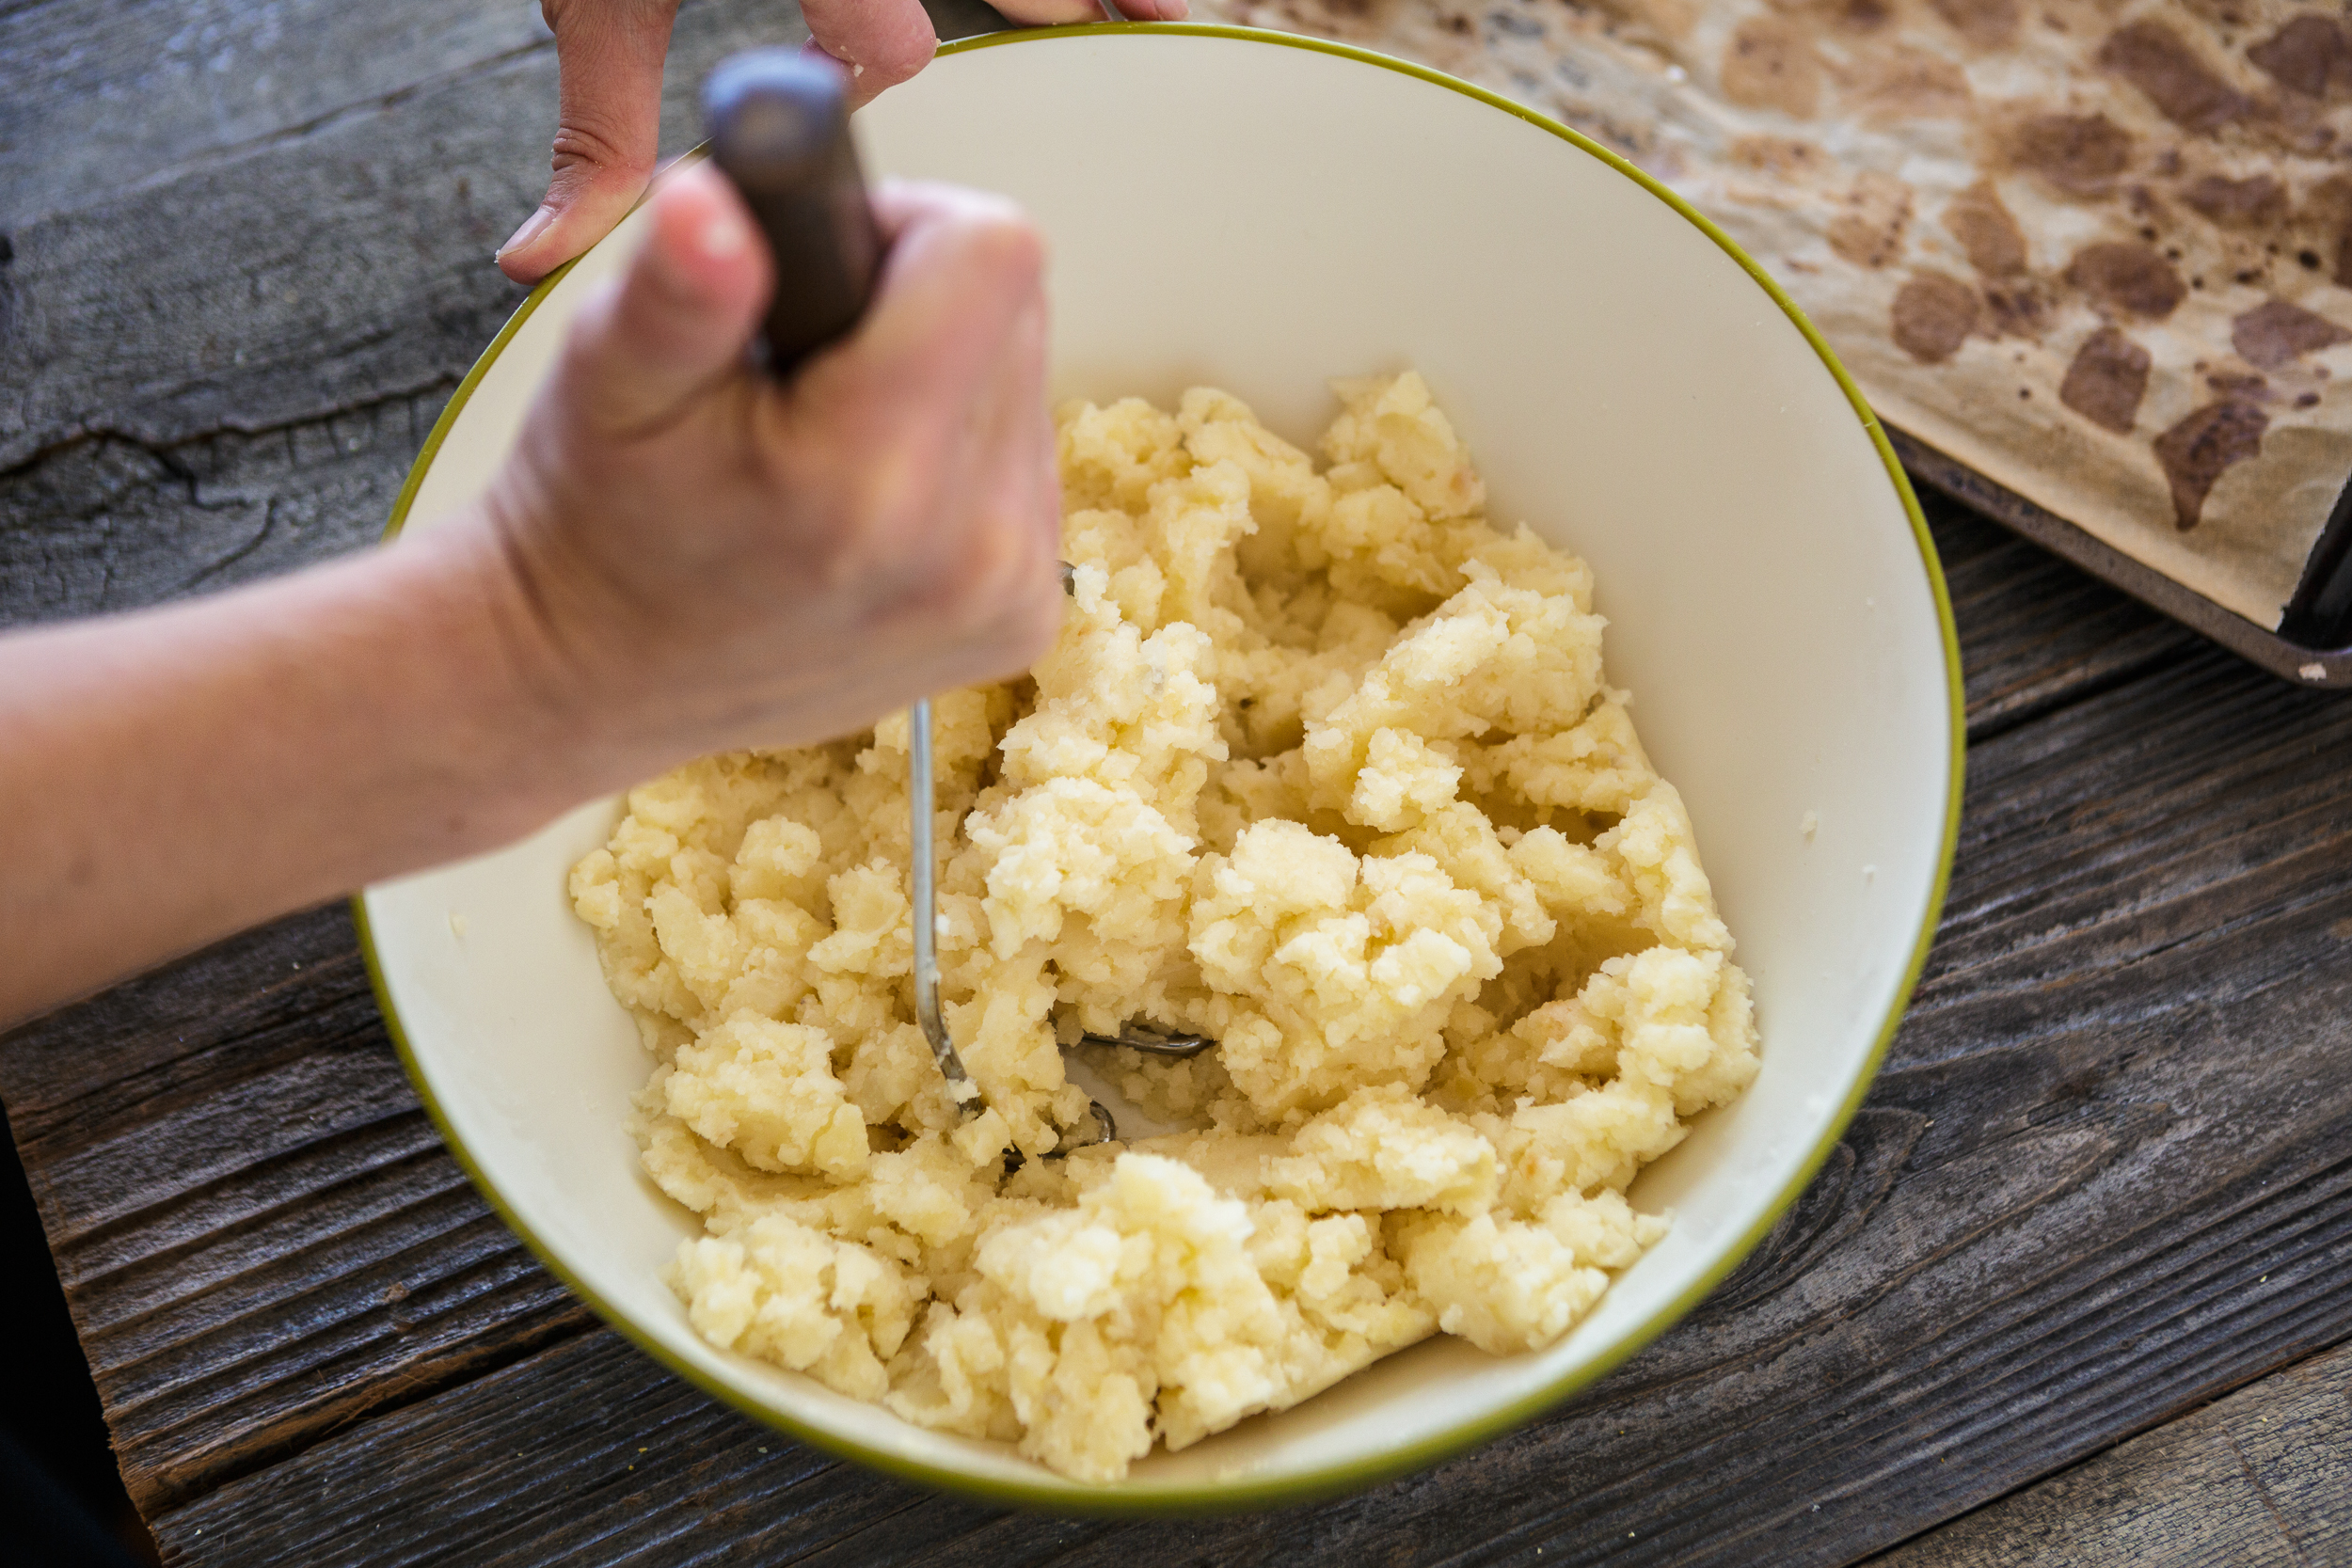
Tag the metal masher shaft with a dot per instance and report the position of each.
(780, 130)
(924, 809)
(922, 812)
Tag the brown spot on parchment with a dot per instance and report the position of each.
(1870, 232)
(2078, 153)
(2127, 276)
(2252, 387)
(2292, 123)
(1902, 83)
(1933, 315)
(1663, 20)
(2304, 53)
(1770, 65)
(2221, 14)
(2194, 453)
(2018, 307)
(1864, 16)
(1783, 157)
(2326, 210)
(1982, 224)
(1984, 24)
(2160, 63)
(2107, 379)
(2274, 332)
(2258, 201)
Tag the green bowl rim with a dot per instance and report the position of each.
(1130, 1498)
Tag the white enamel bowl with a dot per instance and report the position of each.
(1264, 212)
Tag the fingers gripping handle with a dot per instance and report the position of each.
(779, 128)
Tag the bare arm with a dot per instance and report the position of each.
(680, 557)
(178, 774)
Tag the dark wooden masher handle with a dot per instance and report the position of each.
(779, 127)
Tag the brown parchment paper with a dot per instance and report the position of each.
(2097, 250)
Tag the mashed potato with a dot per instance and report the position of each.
(1323, 766)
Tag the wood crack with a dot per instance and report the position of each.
(172, 455)
(129, 1222)
(492, 1270)
(223, 1462)
(2160, 660)
(421, 1161)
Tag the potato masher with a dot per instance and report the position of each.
(779, 129)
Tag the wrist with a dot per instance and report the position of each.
(505, 705)
(209, 765)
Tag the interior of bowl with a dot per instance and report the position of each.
(1262, 214)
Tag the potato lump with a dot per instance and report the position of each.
(1324, 765)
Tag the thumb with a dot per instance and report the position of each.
(608, 55)
(678, 319)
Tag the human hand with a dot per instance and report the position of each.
(711, 559)
(608, 55)
(680, 556)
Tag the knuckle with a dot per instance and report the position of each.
(1003, 233)
(584, 149)
(996, 252)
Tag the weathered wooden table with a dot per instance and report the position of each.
(2073, 1289)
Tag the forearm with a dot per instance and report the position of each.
(173, 776)
(680, 557)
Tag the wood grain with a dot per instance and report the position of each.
(170, 436)
(2105, 1179)
(303, 277)
(107, 524)
(2260, 1479)
(315, 256)
(257, 1231)
(2077, 1205)
(153, 88)
(2035, 632)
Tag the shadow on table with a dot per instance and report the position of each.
(60, 1495)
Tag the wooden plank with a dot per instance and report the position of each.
(2076, 1207)
(2037, 633)
(243, 488)
(682, 1471)
(139, 93)
(259, 1232)
(309, 275)
(2051, 1228)
(2262, 1477)
(309, 270)
(147, 1277)
(106, 524)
